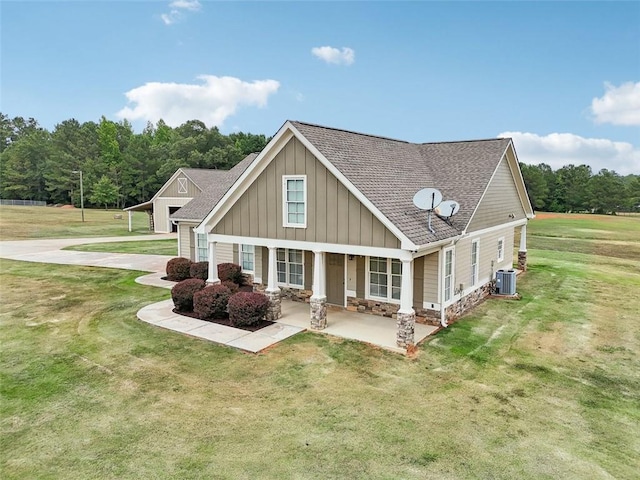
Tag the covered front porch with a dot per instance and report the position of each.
(371, 329)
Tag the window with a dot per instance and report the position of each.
(501, 249)
(448, 275)
(295, 201)
(290, 267)
(474, 261)
(247, 258)
(182, 185)
(385, 278)
(202, 247)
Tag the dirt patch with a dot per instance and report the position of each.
(226, 322)
(67, 206)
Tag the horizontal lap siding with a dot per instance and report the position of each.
(488, 250)
(499, 202)
(187, 240)
(334, 215)
(430, 294)
(161, 212)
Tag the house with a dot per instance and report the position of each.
(180, 189)
(327, 216)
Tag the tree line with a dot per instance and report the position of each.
(122, 168)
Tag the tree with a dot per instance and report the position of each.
(536, 185)
(572, 182)
(105, 192)
(23, 164)
(607, 191)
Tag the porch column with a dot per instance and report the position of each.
(522, 251)
(213, 265)
(318, 300)
(129, 212)
(273, 291)
(406, 314)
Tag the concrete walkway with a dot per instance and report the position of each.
(372, 329)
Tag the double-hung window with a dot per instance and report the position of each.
(448, 274)
(475, 249)
(202, 247)
(294, 189)
(385, 278)
(247, 258)
(500, 249)
(290, 267)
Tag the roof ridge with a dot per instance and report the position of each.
(465, 141)
(352, 132)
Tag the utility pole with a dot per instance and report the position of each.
(81, 193)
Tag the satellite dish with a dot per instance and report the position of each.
(427, 199)
(447, 209)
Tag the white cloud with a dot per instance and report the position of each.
(177, 7)
(619, 105)
(346, 56)
(212, 101)
(560, 149)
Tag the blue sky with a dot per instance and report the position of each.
(561, 78)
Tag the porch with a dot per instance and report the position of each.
(372, 329)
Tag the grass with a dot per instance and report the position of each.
(544, 387)
(152, 247)
(19, 223)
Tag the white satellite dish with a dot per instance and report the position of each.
(447, 209)
(427, 199)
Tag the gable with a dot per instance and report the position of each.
(179, 186)
(334, 214)
(502, 202)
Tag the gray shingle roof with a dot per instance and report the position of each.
(389, 172)
(201, 176)
(214, 189)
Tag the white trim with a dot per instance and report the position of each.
(431, 306)
(183, 186)
(495, 228)
(287, 263)
(500, 252)
(528, 209)
(452, 288)
(240, 252)
(285, 201)
(346, 278)
(367, 282)
(323, 247)
(475, 268)
(349, 293)
(178, 232)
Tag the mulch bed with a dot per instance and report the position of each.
(225, 321)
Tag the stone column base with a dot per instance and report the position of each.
(522, 261)
(318, 313)
(406, 327)
(275, 307)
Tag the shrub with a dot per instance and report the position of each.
(230, 271)
(178, 269)
(211, 302)
(182, 293)
(232, 286)
(199, 270)
(247, 308)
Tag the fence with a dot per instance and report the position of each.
(30, 203)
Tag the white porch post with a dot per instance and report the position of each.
(129, 212)
(406, 314)
(318, 300)
(213, 264)
(273, 291)
(522, 251)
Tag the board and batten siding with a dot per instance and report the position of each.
(161, 212)
(172, 190)
(430, 287)
(500, 200)
(334, 215)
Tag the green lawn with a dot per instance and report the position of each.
(545, 387)
(153, 247)
(18, 223)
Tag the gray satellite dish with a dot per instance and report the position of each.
(427, 199)
(447, 209)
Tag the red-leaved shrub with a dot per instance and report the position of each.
(178, 269)
(231, 272)
(199, 270)
(247, 308)
(211, 302)
(182, 293)
(232, 286)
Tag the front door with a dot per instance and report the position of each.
(335, 279)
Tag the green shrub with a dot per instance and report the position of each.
(232, 286)
(247, 308)
(182, 293)
(199, 270)
(231, 272)
(178, 269)
(211, 302)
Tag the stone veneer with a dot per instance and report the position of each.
(466, 303)
(406, 329)
(522, 261)
(318, 313)
(390, 310)
(275, 306)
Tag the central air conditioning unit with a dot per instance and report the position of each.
(506, 282)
